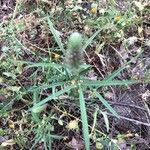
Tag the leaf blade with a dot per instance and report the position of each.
(99, 83)
(89, 41)
(106, 104)
(55, 34)
(66, 89)
(84, 119)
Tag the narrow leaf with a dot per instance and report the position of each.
(40, 64)
(106, 104)
(66, 89)
(116, 73)
(55, 34)
(99, 83)
(84, 119)
(44, 65)
(44, 87)
(89, 41)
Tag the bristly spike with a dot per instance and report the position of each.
(75, 41)
(74, 54)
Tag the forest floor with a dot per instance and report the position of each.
(120, 33)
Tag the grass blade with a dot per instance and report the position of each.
(40, 64)
(98, 83)
(106, 104)
(84, 119)
(36, 141)
(44, 65)
(66, 89)
(47, 65)
(56, 35)
(44, 87)
(89, 41)
(115, 73)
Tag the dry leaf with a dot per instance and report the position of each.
(139, 5)
(8, 143)
(140, 30)
(99, 146)
(93, 8)
(76, 144)
(122, 144)
(118, 18)
(147, 43)
(60, 122)
(14, 88)
(72, 125)
(131, 40)
(11, 124)
(1, 80)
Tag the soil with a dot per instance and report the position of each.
(6, 8)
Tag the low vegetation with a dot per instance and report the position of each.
(74, 75)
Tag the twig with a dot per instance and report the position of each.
(117, 52)
(90, 60)
(127, 105)
(132, 120)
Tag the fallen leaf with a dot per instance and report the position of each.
(122, 144)
(99, 146)
(118, 18)
(8, 143)
(131, 40)
(140, 30)
(14, 88)
(60, 122)
(147, 43)
(9, 74)
(93, 8)
(72, 125)
(139, 5)
(76, 144)
(11, 124)
(1, 80)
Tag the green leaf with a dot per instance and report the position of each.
(40, 64)
(39, 109)
(106, 104)
(45, 65)
(84, 119)
(56, 35)
(44, 87)
(58, 137)
(99, 83)
(36, 141)
(66, 89)
(89, 41)
(115, 73)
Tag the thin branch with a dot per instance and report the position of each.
(127, 105)
(132, 120)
